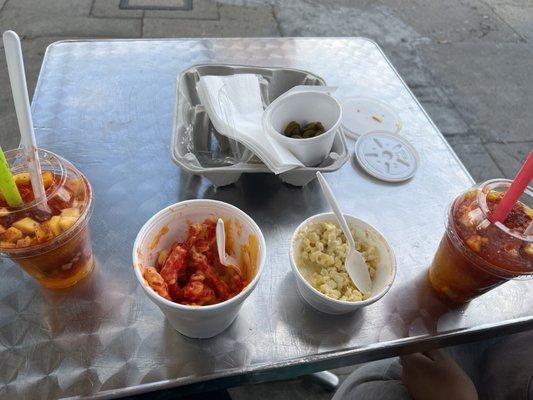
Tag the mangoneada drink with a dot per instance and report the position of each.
(476, 255)
(49, 240)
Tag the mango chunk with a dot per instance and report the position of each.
(43, 233)
(26, 225)
(494, 195)
(12, 235)
(25, 242)
(7, 245)
(529, 249)
(22, 178)
(2, 229)
(53, 223)
(48, 179)
(75, 185)
(70, 212)
(475, 242)
(67, 222)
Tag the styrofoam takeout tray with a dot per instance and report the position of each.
(199, 149)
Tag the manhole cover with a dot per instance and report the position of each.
(182, 5)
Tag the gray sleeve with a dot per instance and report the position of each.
(376, 380)
(507, 369)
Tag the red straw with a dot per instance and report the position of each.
(514, 192)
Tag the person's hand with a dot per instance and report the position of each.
(434, 375)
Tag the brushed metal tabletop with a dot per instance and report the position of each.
(107, 107)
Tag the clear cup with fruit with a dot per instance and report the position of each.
(50, 238)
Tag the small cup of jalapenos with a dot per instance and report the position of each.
(304, 131)
(305, 123)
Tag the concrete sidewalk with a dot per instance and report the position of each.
(468, 61)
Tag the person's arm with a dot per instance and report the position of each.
(434, 375)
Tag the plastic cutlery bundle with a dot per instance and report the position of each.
(235, 109)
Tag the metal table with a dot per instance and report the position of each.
(107, 107)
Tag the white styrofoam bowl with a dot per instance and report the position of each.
(194, 321)
(385, 270)
(304, 107)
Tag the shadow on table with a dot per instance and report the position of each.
(416, 310)
(266, 195)
(108, 295)
(313, 327)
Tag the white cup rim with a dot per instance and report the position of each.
(357, 304)
(334, 127)
(241, 296)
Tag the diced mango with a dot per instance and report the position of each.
(475, 242)
(43, 233)
(25, 242)
(162, 257)
(22, 178)
(26, 225)
(48, 179)
(12, 234)
(529, 249)
(2, 229)
(470, 195)
(7, 245)
(70, 212)
(53, 223)
(3, 211)
(512, 252)
(67, 222)
(494, 195)
(74, 185)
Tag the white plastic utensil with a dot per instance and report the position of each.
(225, 259)
(355, 264)
(17, 77)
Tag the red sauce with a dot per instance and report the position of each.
(191, 273)
(491, 243)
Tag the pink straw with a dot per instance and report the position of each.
(514, 192)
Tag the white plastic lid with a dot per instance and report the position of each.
(387, 156)
(361, 115)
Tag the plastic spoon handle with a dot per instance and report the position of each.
(221, 241)
(330, 197)
(355, 263)
(225, 259)
(17, 77)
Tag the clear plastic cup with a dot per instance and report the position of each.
(55, 246)
(476, 255)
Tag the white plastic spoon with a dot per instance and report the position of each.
(355, 264)
(17, 77)
(225, 259)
